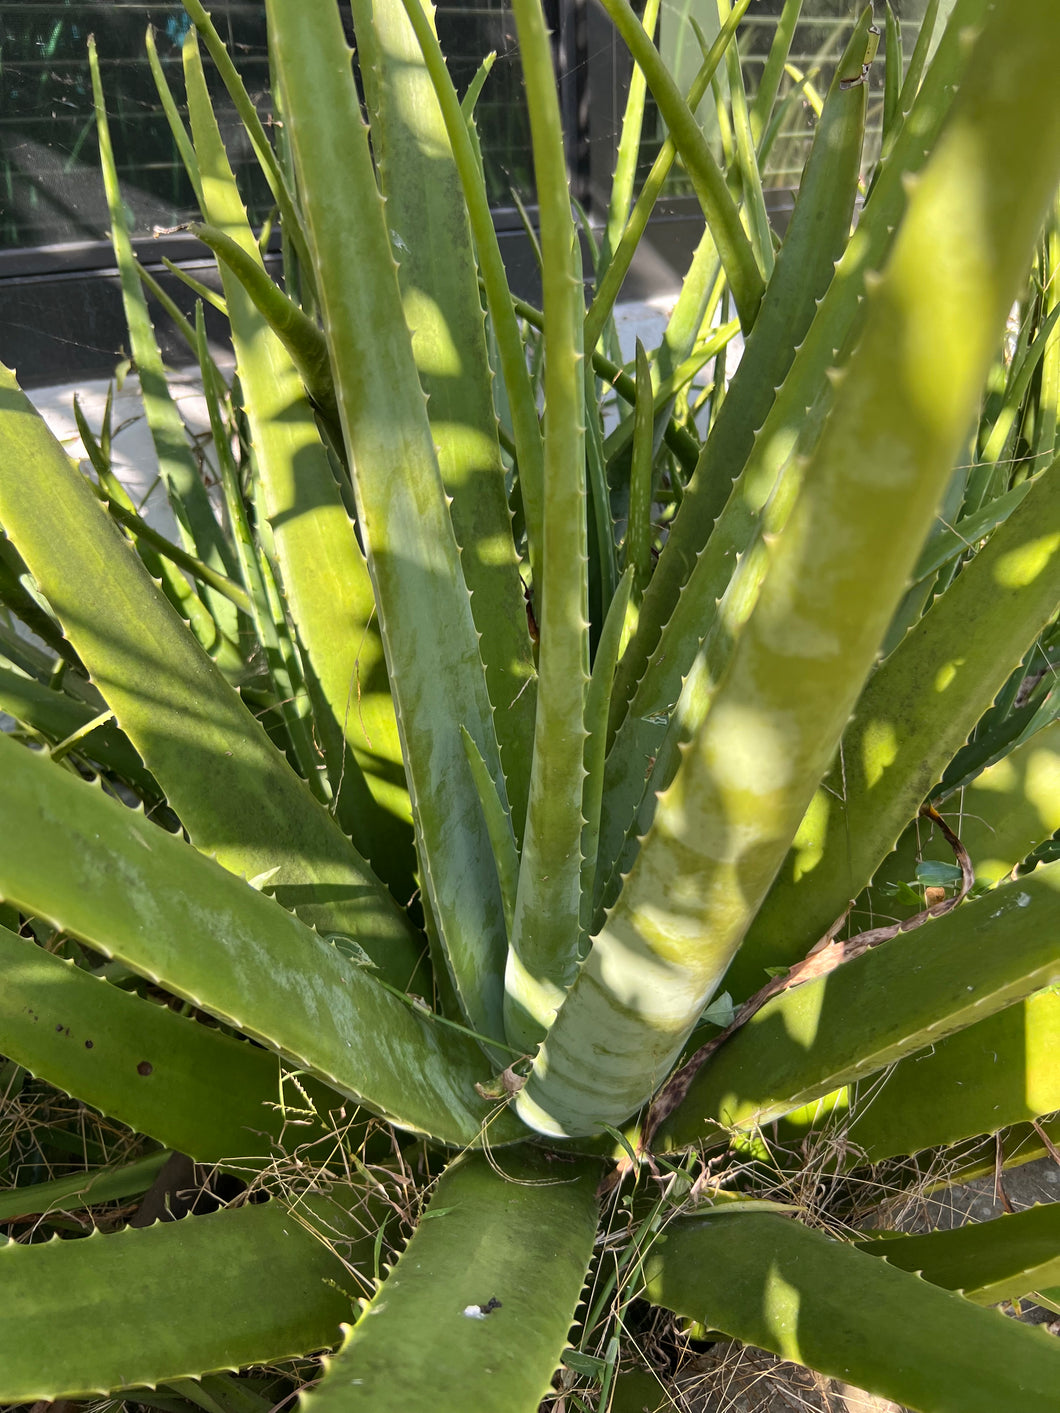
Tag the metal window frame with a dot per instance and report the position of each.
(60, 305)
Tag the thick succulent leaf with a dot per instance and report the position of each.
(545, 937)
(609, 284)
(816, 236)
(882, 1006)
(773, 69)
(422, 600)
(516, 386)
(103, 873)
(301, 337)
(187, 1085)
(986, 1261)
(724, 826)
(58, 716)
(428, 223)
(232, 789)
(1003, 815)
(180, 474)
(916, 712)
(293, 230)
(744, 276)
(172, 1301)
(476, 1312)
(772, 1282)
(79, 1190)
(1003, 1071)
(321, 562)
(839, 316)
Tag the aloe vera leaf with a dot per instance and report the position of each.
(70, 1194)
(774, 1283)
(880, 1007)
(611, 279)
(428, 223)
(186, 1085)
(430, 1341)
(202, 292)
(1005, 725)
(701, 622)
(1003, 1071)
(191, 1290)
(754, 204)
(321, 563)
(15, 596)
(499, 824)
(596, 705)
(840, 311)
(626, 159)
(691, 326)
(1049, 385)
(684, 446)
(773, 70)
(602, 569)
(914, 714)
(638, 529)
(722, 829)
(668, 387)
(544, 947)
(917, 60)
(184, 488)
(946, 543)
(1002, 816)
(293, 228)
(816, 237)
(892, 73)
(169, 305)
(150, 900)
(179, 132)
(57, 716)
(1016, 390)
(1000, 1073)
(195, 567)
(745, 278)
(161, 566)
(512, 358)
(233, 791)
(300, 336)
(422, 600)
(986, 1261)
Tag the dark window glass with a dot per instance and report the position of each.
(50, 188)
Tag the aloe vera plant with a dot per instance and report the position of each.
(551, 808)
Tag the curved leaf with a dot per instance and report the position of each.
(773, 1283)
(172, 1301)
(187, 1085)
(724, 826)
(986, 1261)
(316, 545)
(915, 713)
(882, 1006)
(423, 604)
(475, 1314)
(232, 789)
(100, 871)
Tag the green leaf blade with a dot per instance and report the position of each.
(425, 1342)
(775, 1284)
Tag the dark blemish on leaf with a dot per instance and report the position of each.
(89, 1044)
(144, 1067)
